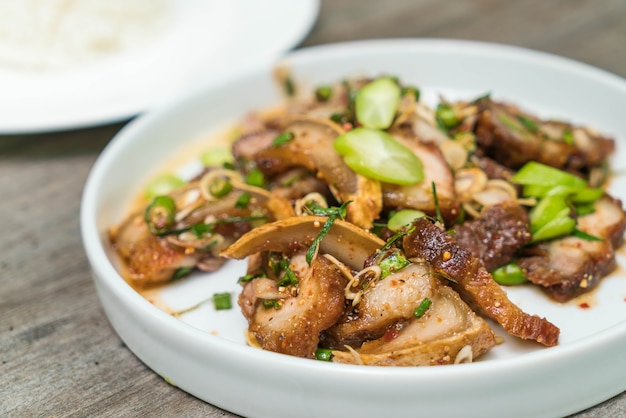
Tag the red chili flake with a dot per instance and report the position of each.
(584, 305)
(390, 335)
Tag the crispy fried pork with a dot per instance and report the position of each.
(469, 277)
(570, 266)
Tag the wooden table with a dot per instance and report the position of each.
(60, 357)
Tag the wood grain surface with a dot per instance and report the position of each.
(59, 355)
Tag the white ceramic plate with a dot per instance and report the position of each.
(202, 40)
(204, 351)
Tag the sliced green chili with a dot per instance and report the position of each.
(162, 185)
(402, 218)
(377, 102)
(509, 274)
(544, 175)
(159, 214)
(446, 116)
(323, 93)
(220, 187)
(324, 354)
(217, 157)
(378, 155)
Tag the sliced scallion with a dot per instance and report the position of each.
(393, 263)
(424, 305)
(159, 215)
(222, 301)
(255, 178)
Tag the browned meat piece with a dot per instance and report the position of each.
(501, 135)
(248, 145)
(147, 258)
(298, 182)
(386, 303)
(150, 259)
(474, 283)
(494, 238)
(449, 332)
(420, 195)
(493, 169)
(570, 266)
(294, 328)
(312, 148)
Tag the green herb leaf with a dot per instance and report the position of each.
(333, 213)
(393, 263)
(283, 138)
(587, 237)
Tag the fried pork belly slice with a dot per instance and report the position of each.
(449, 332)
(151, 259)
(312, 148)
(148, 259)
(502, 135)
(295, 326)
(384, 304)
(420, 196)
(474, 283)
(570, 266)
(250, 144)
(496, 236)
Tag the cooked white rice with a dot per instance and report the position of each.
(59, 34)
